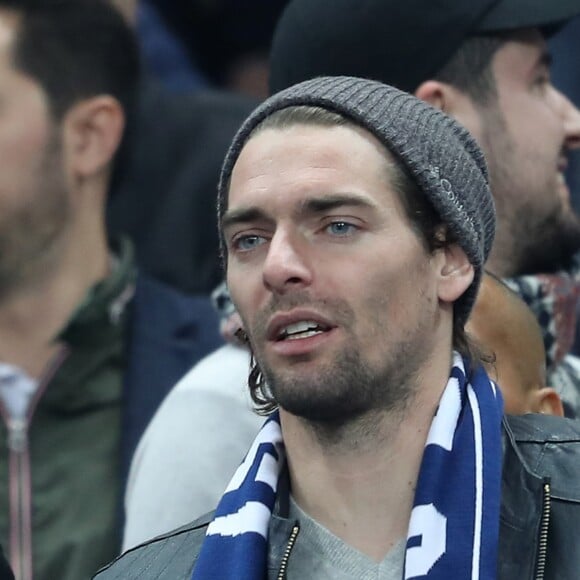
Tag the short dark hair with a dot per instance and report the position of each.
(469, 69)
(422, 216)
(75, 49)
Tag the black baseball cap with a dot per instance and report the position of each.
(401, 43)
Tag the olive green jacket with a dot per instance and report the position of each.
(59, 470)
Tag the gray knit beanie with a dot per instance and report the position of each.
(440, 154)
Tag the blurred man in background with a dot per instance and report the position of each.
(89, 347)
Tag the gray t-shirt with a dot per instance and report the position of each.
(320, 555)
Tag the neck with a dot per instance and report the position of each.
(32, 315)
(503, 259)
(360, 485)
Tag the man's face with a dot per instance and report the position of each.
(33, 203)
(337, 293)
(525, 134)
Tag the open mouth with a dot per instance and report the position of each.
(301, 329)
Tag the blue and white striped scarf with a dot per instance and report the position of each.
(454, 525)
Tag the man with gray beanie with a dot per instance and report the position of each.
(355, 221)
(484, 62)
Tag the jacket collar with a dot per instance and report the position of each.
(521, 510)
(105, 303)
(520, 515)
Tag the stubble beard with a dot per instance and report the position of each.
(348, 390)
(28, 235)
(552, 243)
(341, 392)
(526, 242)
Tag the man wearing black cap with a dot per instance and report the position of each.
(356, 220)
(485, 63)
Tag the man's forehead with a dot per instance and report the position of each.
(304, 151)
(323, 140)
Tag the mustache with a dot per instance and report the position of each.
(334, 309)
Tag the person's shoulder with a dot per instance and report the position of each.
(185, 319)
(170, 556)
(153, 289)
(225, 369)
(549, 448)
(542, 429)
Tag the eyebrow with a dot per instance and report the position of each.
(242, 216)
(308, 207)
(330, 202)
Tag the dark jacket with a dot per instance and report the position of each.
(122, 351)
(540, 491)
(5, 570)
(169, 332)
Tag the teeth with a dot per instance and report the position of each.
(306, 334)
(302, 329)
(300, 326)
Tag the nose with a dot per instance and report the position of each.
(571, 118)
(287, 266)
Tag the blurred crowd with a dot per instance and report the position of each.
(123, 362)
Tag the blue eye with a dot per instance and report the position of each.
(341, 228)
(246, 243)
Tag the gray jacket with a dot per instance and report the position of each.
(539, 522)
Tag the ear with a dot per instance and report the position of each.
(455, 272)
(92, 132)
(433, 92)
(452, 101)
(548, 402)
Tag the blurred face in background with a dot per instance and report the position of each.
(525, 131)
(505, 327)
(34, 205)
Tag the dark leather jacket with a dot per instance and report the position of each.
(539, 522)
(540, 509)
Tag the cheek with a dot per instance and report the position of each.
(25, 128)
(396, 299)
(536, 132)
(244, 291)
(22, 150)
(233, 287)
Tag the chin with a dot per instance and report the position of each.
(322, 411)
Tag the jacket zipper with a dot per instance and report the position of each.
(20, 484)
(288, 551)
(544, 525)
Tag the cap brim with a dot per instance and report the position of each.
(549, 15)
